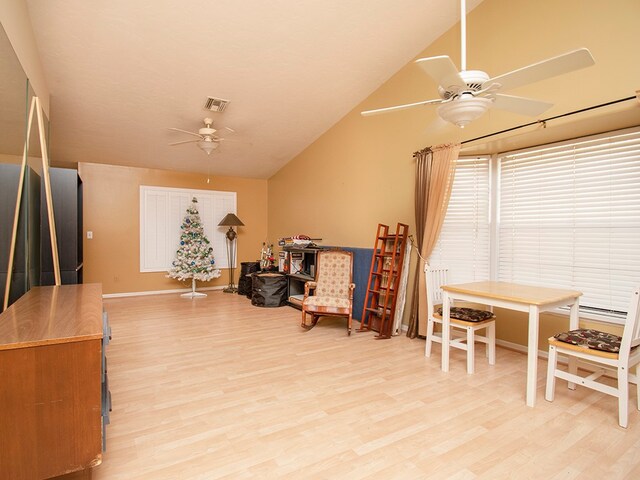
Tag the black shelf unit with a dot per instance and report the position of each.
(296, 278)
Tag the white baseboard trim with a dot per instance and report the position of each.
(520, 348)
(158, 292)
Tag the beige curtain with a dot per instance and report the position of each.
(435, 170)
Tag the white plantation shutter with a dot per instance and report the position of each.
(463, 245)
(162, 211)
(569, 217)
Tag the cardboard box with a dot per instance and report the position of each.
(296, 261)
(283, 262)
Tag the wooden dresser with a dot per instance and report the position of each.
(53, 389)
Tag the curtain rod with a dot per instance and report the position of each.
(424, 150)
(544, 120)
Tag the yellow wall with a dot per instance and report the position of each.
(512, 327)
(14, 16)
(111, 204)
(361, 171)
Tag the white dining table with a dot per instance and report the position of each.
(512, 296)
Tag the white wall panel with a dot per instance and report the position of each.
(162, 212)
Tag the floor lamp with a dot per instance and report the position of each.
(230, 220)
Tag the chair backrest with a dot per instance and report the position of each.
(334, 269)
(435, 277)
(631, 333)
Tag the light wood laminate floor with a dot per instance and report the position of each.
(214, 388)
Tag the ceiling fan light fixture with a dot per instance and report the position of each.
(207, 145)
(464, 110)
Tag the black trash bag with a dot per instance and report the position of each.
(269, 290)
(244, 282)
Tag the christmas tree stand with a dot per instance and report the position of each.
(193, 293)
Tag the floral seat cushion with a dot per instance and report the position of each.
(317, 301)
(468, 314)
(589, 338)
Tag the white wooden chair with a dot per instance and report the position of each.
(464, 324)
(606, 353)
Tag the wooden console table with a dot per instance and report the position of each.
(51, 397)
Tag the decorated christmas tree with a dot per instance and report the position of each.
(194, 257)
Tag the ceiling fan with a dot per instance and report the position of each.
(208, 139)
(466, 95)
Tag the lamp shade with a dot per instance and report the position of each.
(463, 111)
(207, 146)
(230, 220)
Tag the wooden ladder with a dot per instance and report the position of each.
(384, 280)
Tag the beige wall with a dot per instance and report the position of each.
(361, 171)
(512, 327)
(111, 203)
(14, 16)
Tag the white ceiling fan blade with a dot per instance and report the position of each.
(551, 67)
(443, 71)
(222, 139)
(521, 105)
(367, 113)
(230, 129)
(186, 131)
(184, 141)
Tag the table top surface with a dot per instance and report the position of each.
(513, 292)
(51, 315)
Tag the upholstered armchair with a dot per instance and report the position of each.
(331, 294)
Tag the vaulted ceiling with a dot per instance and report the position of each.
(122, 72)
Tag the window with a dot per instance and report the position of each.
(568, 216)
(463, 245)
(162, 212)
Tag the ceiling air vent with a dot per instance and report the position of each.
(216, 104)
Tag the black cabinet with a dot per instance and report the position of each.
(26, 260)
(32, 263)
(66, 194)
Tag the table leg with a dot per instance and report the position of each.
(446, 331)
(574, 322)
(532, 355)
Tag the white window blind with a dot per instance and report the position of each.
(569, 217)
(162, 211)
(463, 245)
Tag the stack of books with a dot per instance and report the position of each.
(296, 241)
